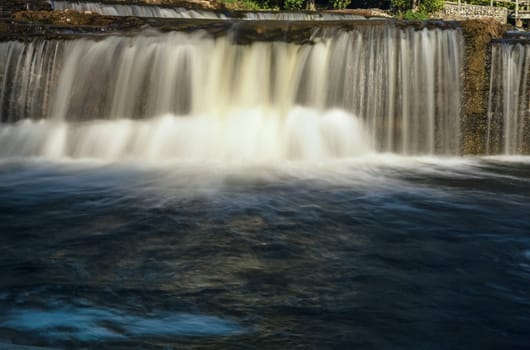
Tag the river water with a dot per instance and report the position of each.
(377, 251)
(186, 191)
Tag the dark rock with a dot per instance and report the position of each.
(7, 7)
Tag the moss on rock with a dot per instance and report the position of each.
(478, 35)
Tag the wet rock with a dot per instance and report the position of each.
(23, 25)
(7, 7)
(478, 35)
(62, 18)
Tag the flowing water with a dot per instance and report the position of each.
(381, 252)
(176, 12)
(390, 84)
(509, 102)
(179, 191)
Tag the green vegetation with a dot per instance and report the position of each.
(293, 4)
(340, 4)
(409, 15)
(401, 6)
(430, 6)
(416, 9)
(242, 5)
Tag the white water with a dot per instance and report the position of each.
(176, 12)
(135, 10)
(509, 100)
(246, 136)
(374, 88)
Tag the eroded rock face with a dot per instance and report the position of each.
(478, 35)
(9, 6)
(23, 25)
(70, 23)
(63, 18)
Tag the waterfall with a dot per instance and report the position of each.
(509, 98)
(376, 87)
(135, 10)
(179, 12)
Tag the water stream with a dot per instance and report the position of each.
(375, 87)
(509, 98)
(180, 191)
(177, 12)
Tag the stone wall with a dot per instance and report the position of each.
(452, 11)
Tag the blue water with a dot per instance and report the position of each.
(385, 252)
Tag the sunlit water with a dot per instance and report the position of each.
(402, 84)
(182, 191)
(368, 252)
(250, 135)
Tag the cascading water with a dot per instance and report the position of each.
(136, 10)
(176, 12)
(191, 96)
(509, 100)
(148, 198)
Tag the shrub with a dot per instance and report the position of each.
(415, 16)
(430, 6)
(400, 5)
(404, 8)
(340, 4)
(293, 4)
